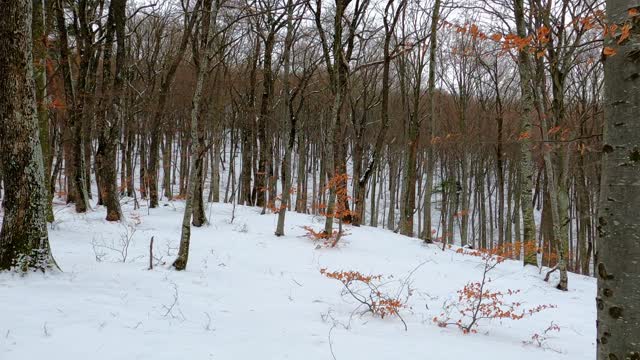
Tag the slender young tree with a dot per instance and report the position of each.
(206, 50)
(24, 242)
(433, 40)
(286, 162)
(526, 113)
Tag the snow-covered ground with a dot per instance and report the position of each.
(247, 294)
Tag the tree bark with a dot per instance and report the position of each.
(618, 264)
(208, 27)
(526, 164)
(24, 242)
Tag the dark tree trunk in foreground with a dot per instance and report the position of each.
(618, 259)
(24, 243)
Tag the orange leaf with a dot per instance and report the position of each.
(633, 12)
(474, 30)
(524, 135)
(625, 33)
(57, 104)
(608, 51)
(554, 130)
(496, 37)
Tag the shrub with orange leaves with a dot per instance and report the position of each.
(324, 239)
(368, 291)
(340, 211)
(476, 302)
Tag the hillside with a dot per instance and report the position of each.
(247, 294)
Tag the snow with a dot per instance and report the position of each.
(248, 294)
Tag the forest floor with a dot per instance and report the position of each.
(247, 294)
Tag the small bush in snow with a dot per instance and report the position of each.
(340, 211)
(540, 339)
(367, 291)
(324, 239)
(120, 247)
(477, 302)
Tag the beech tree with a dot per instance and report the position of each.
(24, 242)
(618, 258)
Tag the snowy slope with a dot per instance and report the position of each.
(247, 294)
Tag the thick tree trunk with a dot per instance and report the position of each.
(24, 242)
(618, 264)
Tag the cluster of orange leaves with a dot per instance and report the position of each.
(338, 183)
(327, 240)
(347, 277)
(476, 302)
(379, 304)
(538, 42)
(340, 211)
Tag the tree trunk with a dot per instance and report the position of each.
(40, 75)
(24, 242)
(206, 51)
(166, 165)
(393, 176)
(111, 108)
(526, 164)
(76, 171)
(292, 116)
(618, 265)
